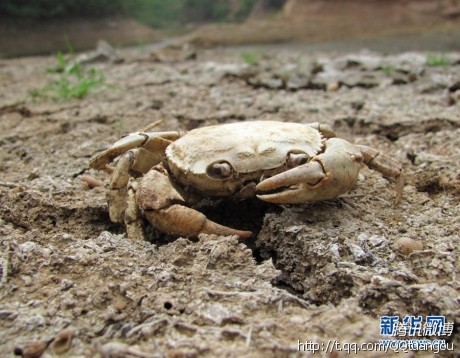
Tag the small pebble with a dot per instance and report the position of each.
(32, 350)
(406, 245)
(63, 341)
(333, 87)
(66, 284)
(91, 181)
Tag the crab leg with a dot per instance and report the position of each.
(139, 153)
(380, 162)
(162, 204)
(118, 188)
(133, 217)
(155, 142)
(386, 165)
(138, 160)
(121, 196)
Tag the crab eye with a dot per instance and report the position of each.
(219, 170)
(296, 159)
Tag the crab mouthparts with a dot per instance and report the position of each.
(290, 182)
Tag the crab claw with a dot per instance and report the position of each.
(179, 220)
(164, 206)
(329, 174)
(287, 186)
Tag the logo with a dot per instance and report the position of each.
(415, 326)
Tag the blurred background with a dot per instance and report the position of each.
(29, 27)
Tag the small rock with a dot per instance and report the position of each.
(91, 181)
(376, 240)
(104, 53)
(294, 229)
(66, 284)
(357, 252)
(63, 341)
(333, 86)
(174, 53)
(32, 350)
(334, 249)
(216, 313)
(406, 245)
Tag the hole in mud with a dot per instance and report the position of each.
(18, 351)
(431, 182)
(256, 253)
(411, 157)
(392, 136)
(431, 186)
(243, 215)
(282, 283)
(53, 221)
(168, 305)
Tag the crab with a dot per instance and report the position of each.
(162, 175)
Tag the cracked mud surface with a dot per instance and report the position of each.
(315, 272)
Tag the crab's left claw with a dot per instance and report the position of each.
(155, 142)
(325, 176)
(164, 206)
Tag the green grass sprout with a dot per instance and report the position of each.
(72, 80)
(250, 58)
(434, 60)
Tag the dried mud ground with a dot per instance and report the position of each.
(319, 272)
